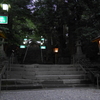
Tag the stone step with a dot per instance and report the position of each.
(44, 66)
(21, 77)
(58, 72)
(27, 76)
(43, 69)
(14, 81)
(31, 84)
(65, 85)
(46, 81)
(63, 81)
(48, 76)
(40, 86)
(45, 72)
(78, 76)
(20, 81)
(21, 86)
(20, 73)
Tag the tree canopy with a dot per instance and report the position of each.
(19, 21)
(79, 18)
(53, 19)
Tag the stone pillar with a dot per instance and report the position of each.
(2, 53)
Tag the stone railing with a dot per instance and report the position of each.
(4, 67)
(93, 76)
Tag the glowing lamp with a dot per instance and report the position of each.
(99, 42)
(5, 6)
(56, 50)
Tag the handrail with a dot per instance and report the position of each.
(83, 68)
(92, 75)
(2, 72)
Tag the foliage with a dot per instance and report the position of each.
(82, 17)
(48, 18)
(19, 21)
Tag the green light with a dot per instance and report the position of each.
(3, 19)
(42, 38)
(25, 39)
(43, 47)
(22, 46)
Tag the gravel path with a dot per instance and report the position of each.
(52, 94)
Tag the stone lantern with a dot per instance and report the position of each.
(78, 49)
(79, 54)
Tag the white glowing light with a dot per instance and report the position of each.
(5, 6)
(38, 42)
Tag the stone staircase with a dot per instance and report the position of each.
(44, 76)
